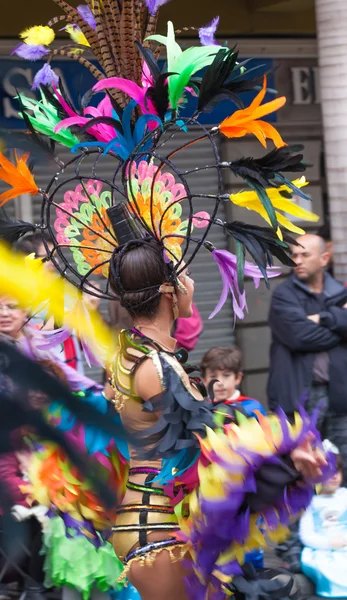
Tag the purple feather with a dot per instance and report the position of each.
(45, 76)
(53, 338)
(89, 356)
(29, 52)
(87, 15)
(206, 34)
(227, 264)
(154, 5)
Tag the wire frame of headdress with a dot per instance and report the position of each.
(154, 187)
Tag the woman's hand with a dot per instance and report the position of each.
(308, 460)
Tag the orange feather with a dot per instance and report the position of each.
(245, 121)
(18, 176)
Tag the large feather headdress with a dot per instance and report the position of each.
(150, 193)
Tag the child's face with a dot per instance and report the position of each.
(226, 384)
(331, 485)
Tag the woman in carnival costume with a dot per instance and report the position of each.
(197, 488)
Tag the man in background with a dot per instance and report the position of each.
(308, 321)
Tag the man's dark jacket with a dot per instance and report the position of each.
(296, 340)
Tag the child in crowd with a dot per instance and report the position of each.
(323, 532)
(221, 370)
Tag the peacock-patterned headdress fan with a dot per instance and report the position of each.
(150, 193)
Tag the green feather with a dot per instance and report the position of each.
(183, 65)
(265, 200)
(240, 255)
(44, 117)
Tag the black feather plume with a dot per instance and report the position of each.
(105, 120)
(11, 230)
(159, 95)
(218, 82)
(264, 170)
(150, 60)
(262, 244)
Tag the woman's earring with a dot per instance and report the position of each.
(181, 288)
(169, 289)
(175, 306)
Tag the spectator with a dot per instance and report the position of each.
(223, 368)
(14, 329)
(325, 233)
(308, 320)
(323, 532)
(70, 351)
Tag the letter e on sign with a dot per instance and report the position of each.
(302, 85)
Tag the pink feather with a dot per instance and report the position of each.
(132, 89)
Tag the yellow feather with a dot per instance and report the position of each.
(38, 35)
(249, 199)
(77, 35)
(33, 286)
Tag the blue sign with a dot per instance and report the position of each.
(17, 75)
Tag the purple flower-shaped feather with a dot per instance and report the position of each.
(29, 52)
(87, 15)
(154, 5)
(206, 34)
(45, 76)
(227, 264)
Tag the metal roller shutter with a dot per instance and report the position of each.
(218, 331)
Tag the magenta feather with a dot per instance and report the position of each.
(207, 33)
(132, 89)
(101, 132)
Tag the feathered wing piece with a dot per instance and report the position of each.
(266, 171)
(16, 410)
